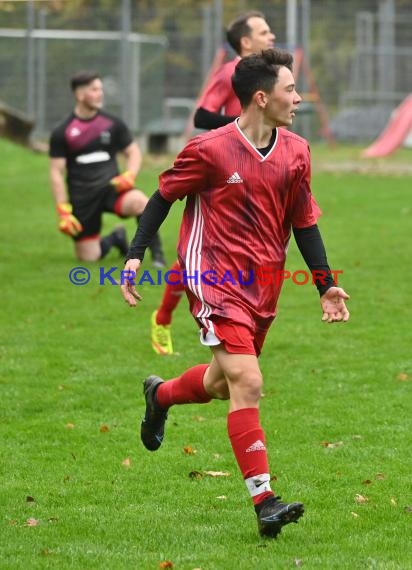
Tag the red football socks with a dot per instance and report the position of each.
(249, 446)
(186, 389)
(171, 296)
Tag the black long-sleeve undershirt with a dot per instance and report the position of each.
(153, 216)
(312, 249)
(208, 120)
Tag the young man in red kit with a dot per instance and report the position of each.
(247, 188)
(248, 33)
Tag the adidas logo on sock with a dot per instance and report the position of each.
(234, 179)
(257, 446)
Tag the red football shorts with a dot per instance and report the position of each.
(236, 338)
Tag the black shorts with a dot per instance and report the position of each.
(90, 213)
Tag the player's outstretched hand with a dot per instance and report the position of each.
(128, 284)
(333, 305)
(123, 182)
(68, 224)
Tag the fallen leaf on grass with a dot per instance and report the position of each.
(355, 515)
(30, 499)
(52, 520)
(189, 450)
(70, 425)
(298, 562)
(13, 522)
(196, 475)
(367, 482)
(403, 377)
(46, 552)
(31, 522)
(361, 499)
(216, 455)
(380, 476)
(394, 502)
(222, 497)
(201, 474)
(104, 428)
(408, 509)
(331, 445)
(127, 462)
(166, 564)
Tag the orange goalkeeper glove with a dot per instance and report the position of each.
(68, 223)
(123, 182)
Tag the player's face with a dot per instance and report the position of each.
(91, 96)
(283, 100)
(260, 37)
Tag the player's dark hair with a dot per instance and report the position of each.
(239, 28)
(259, 72)
(82, 78)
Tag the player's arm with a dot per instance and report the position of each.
(133, 159)
(312, 249)
(214, 98)
(57, 171)
(208, 120)
(68, 224)
(153, 216)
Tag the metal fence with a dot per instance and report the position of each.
(380, 73)
(154, 56)
(42, 86)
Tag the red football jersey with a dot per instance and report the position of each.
(219, 96)
(239, 212)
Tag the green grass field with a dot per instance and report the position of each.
(78, 490)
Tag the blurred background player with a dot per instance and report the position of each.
(218, 105)
(248, 33)
(84, 148)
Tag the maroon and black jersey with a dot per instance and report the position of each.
(90, 147)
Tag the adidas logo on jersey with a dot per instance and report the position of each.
(234, 179)
(257, 446)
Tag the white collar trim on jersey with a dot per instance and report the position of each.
(263, 157)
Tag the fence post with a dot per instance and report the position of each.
(207, 49)
(124, 58)
(30, 63)
(386, 47)
(218, 23)
(41, 76)
(291, 24)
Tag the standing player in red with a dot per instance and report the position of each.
(247, 187)
(248, 33)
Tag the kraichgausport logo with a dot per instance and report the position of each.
(263, 276)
